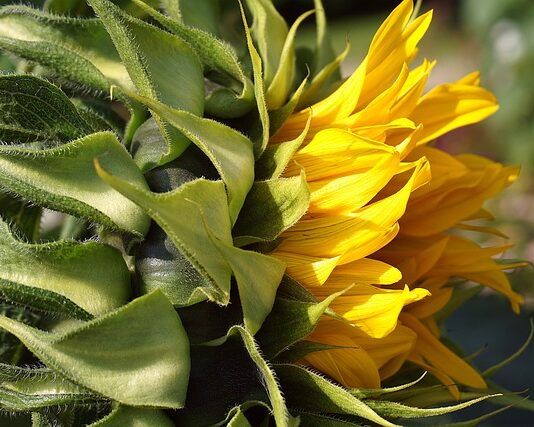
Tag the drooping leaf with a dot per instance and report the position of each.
(137, 355)
(64, 179)
(122, 416)
(270, 208)
(162, 67)
(229, 151)
(233, 94)
(33, 110)
(309, 392)
(202, 234)
(81, 279)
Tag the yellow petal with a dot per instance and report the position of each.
(450, 106)
(309, 271)
(374, 310)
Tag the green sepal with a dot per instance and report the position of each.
(162, 67)
(232, 372)
(398, 410)
(64, 179)
(289, 322)
(24, 389)
(277, 156)
(229, 151)
(309, 392)
(260, 124)
(270, 31)
(35, 110)
(302, 348)
(282, 84)
(80, 51)
(202, 233)
(271, 207)
(321, 420)
(322, 82)
(362, 393)
(77, 279)
(137, 355)
(233, 94)
(239, 420)
(278, 117)
(122, 416)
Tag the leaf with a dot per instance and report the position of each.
(137, 355)
(24, 389)
(90, 277)
(309, 392)
(122, 416)
(162, 67)
(220, 63)
(78, 50)
(202, 234)
(229, 151)
(270, 208)
(227, 373)
(33, 109)
(64, 179)
(289, 322)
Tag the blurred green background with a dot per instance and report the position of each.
(496, 37)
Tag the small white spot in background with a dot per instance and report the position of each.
(508, 42)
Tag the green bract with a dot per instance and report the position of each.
(139, 200)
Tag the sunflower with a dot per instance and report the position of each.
(383, 204)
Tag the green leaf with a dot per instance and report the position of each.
(227, 373)
(33, 109)
(289, 322)
(137, 355)
(24, 389)
(78, 50)
(229, 151)
(202, 234)
(90, 277)
(220, 63)
(162, 66)
(300, 349)
(64, 179)
(309, 392)
(270, 208)
(126, 416)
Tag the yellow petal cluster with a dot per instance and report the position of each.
(383, 204)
